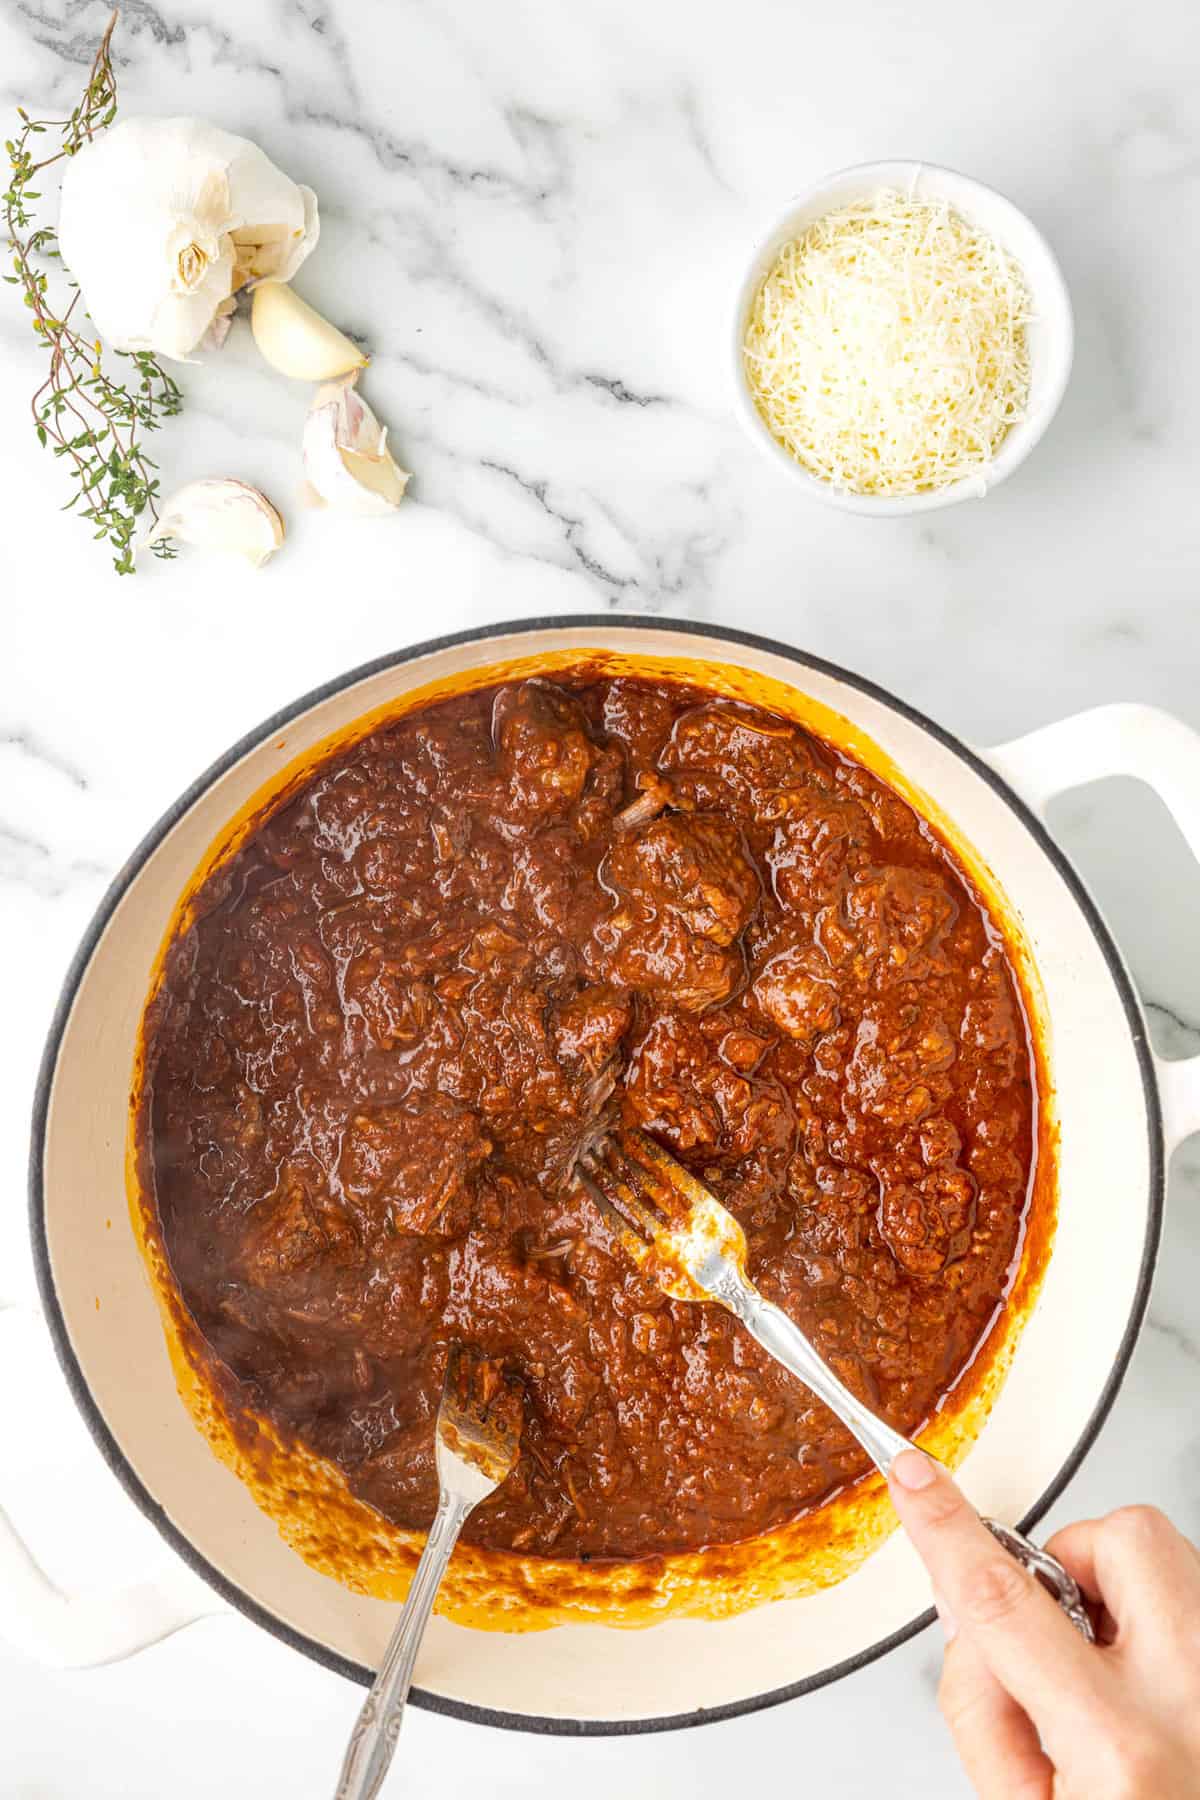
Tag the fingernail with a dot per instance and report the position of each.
(949, 1622)
(913, 1470)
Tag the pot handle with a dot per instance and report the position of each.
(1151, 746)
(94, 1626)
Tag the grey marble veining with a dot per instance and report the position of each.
(534, 216)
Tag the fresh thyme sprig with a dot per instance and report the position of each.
(80, 411)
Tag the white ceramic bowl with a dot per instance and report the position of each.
(1119, 1110)
(1051, 332)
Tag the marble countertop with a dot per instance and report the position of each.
(535, 214)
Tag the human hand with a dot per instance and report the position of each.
(1035, 1711)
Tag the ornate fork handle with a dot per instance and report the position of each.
(785, 1341)
(373, 1743)
(1039, 1562)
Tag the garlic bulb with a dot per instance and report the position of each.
(296, 340)
(225, 515)
(161, 220)
(346, 459)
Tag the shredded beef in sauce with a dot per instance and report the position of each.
(470, 939)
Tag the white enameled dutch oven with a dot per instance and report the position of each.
(1120, 1111)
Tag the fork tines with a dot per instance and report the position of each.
(471, 1380)
(480, 1401)
(626, 1178)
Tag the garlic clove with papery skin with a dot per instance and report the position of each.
(222, 515)
(296, 340)
(347, 463)
(161, 220)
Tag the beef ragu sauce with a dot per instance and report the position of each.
(417, 988)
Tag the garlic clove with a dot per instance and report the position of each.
(221, 515)
(296, 340)
(378, 473)
(160, 220)
(347, 463)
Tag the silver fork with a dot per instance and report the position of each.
(687, 1242)
(477, 1444)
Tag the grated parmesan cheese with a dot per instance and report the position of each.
(886, 348)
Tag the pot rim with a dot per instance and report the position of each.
(111, 1450)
